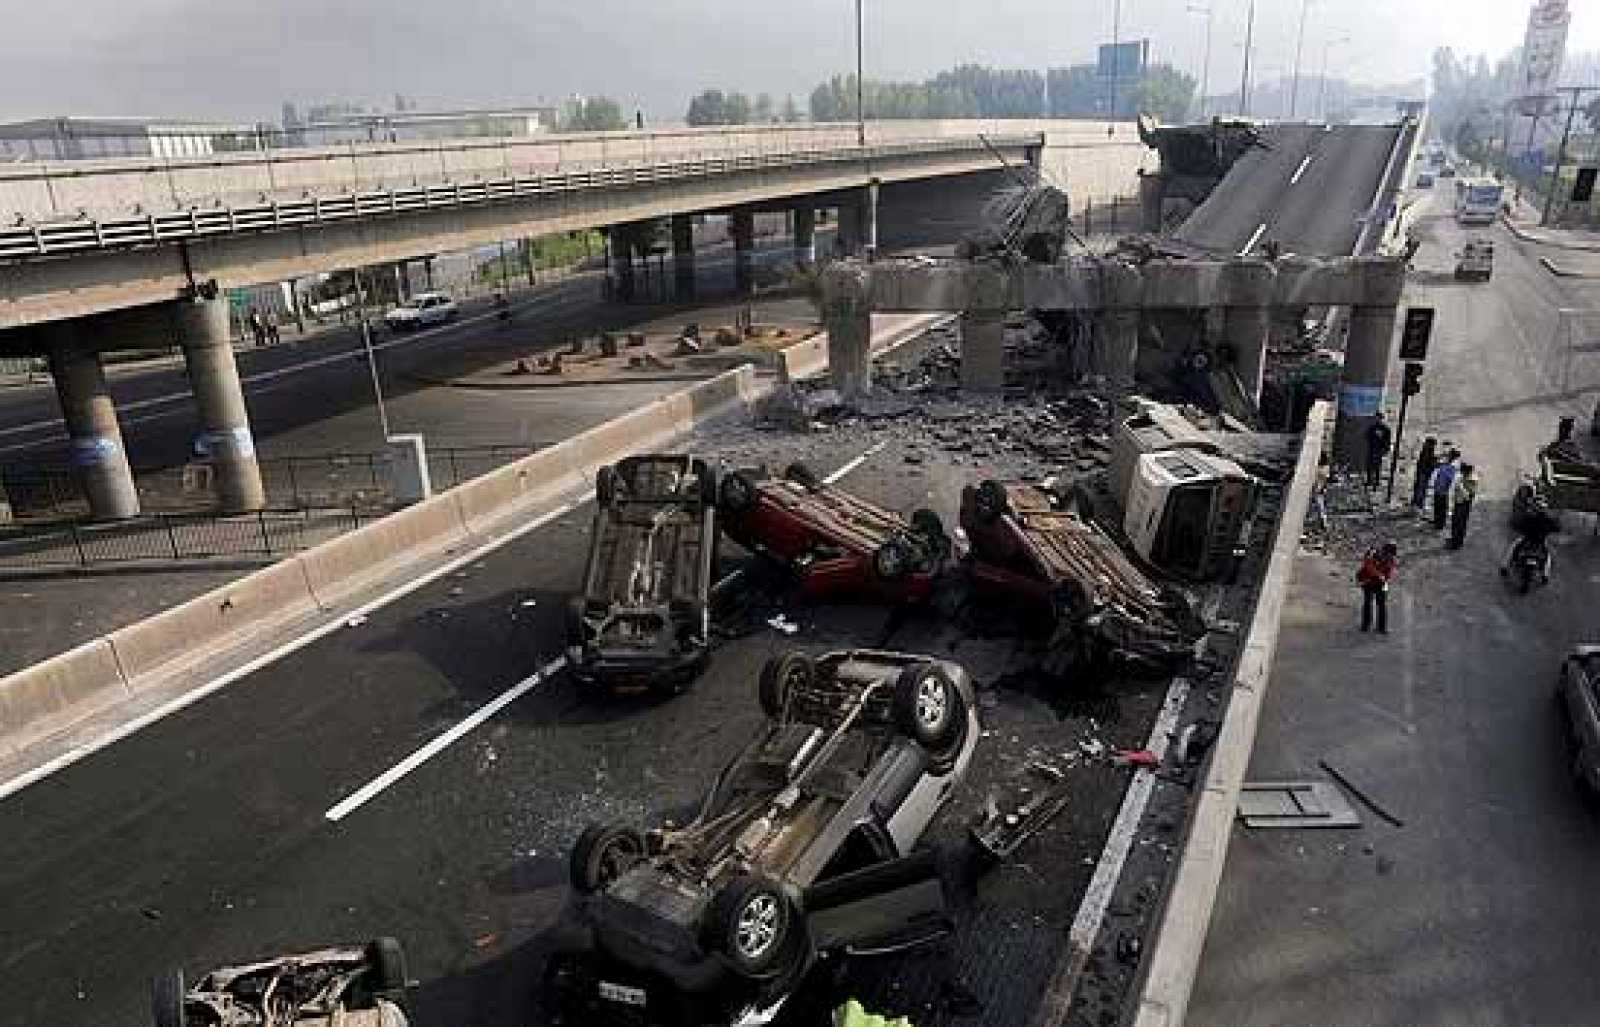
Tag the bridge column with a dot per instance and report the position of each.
(621, 252)
(1247, 320)
(1367, 355)
(858, 222)
(805, 236)
(847, 317)
(983, 351)
(742, 226)
(99, 460)
(683, 257)
(224, 421)
(1116, 330)
(870, 218)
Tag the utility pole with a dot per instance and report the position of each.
(1244, 79)
(1299, 45)
(861, 110)
(1116, 55)
(1322, 87)
(1576, 93)
(1205, 68)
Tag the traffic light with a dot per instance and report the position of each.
(1413, 380)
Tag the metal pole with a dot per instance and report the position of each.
(1394, 452)
(1116, 56)
(1299, 45)
(1244, 78)
(861, 110)
(372, 358)
(1205, 70)
(1561, 152)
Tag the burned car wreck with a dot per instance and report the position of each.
(642, 617)
(803, 846)
(1026, 545)
(835, 543)
(353, 986)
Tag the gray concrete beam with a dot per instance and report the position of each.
(224, 421)
(43, 290)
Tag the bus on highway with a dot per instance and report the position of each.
(1478, 200)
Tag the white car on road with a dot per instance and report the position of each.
(424, 309)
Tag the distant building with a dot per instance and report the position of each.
(413, 125)
(71, 138)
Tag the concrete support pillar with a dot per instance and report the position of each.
(742, 226)
(622, 262)
(870, 218)
(847, 317)
(1367, 356)
(224, 421)
(1248, 330)
(983, 351)
(528, 263)
(683, 257)
(805, 236)
(427, 271)
(852, 228)
(1116, 354)
(1152, 195)
(402, 282)
(98, 458)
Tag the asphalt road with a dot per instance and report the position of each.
(204, 838)
(1481, 909)
(1306, 188)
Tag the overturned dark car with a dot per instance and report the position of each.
(356, 987)
(803, 847)
(835, 543)
(1027, 546)
(642, 618)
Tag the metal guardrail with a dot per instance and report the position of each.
(59, 238)
(168, 537)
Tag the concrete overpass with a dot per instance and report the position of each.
(98, 255)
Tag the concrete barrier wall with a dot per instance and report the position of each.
(349, 563)
(51, 695)
(189, 631)
(1175, 953)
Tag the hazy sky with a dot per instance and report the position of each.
(242, 58)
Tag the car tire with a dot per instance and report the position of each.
(929, 708)
(780, 676)
(749, 922)
(737, 492)
(386, 967)
(801, 475)
(607, 482)
(602, 853)
(927, 524)
(166, 999)
(989, 502)
(893, 559)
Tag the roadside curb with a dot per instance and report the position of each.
(1526, 236)
(523, 385)
(1560, 272)
(1174, 963)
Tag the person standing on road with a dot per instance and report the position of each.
(272, 329)
(1427, 460)
(1378, 440)
(257, 327)
(1441, 484)
(1462, 496)
(1377, 570)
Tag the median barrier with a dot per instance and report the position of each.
(347, 564)
(190, 632)
(53, 694)
(1174, 962)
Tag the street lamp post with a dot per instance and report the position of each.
(1116, 55)
(1205, 67)
(1244, 78)
(1299, 45)
(1322, 85)
(861, 110)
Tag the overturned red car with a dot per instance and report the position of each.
(835, 543)
(1026, 546)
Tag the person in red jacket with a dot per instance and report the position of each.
(1377, 570)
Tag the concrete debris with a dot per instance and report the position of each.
(686, 347)
(1025, 218)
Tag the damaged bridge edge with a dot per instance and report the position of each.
(1170, 972)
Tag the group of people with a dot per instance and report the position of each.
(1453, 486)
(264, 328)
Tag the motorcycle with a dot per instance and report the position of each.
(1530, 565)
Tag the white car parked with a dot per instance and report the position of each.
(424, 309)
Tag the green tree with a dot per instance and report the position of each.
(709, 108)
(1163, 91)
(592, 114)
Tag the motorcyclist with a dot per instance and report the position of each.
(1534, 529)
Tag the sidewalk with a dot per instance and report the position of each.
(1523, 222)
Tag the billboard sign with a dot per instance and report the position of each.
(1545, 47)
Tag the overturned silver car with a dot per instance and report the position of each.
(352, 987)
(802, 846)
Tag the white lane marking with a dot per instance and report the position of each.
(1255, 237)
(1306, 163)
(382, 782)
(1057, 1001)
(122, 731)
(830, 479)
